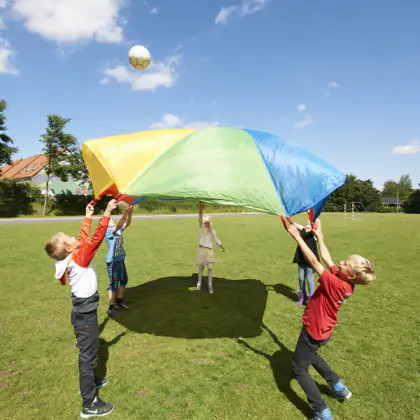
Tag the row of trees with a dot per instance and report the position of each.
(363, 191)
(65, 160)
(61, 149)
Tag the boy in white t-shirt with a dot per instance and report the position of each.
(74, 257)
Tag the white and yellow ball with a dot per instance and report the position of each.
(139, 57)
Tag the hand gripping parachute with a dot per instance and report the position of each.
(227, 166)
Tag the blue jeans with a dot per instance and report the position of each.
(306, 272)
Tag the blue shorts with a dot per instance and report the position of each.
(117, 273)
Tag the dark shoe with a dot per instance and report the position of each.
(101, 382)
(113, 312)
(98, 409)
(121, 305)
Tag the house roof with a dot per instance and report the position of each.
(24, 168)
(391, 200)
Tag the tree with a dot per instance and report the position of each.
(390, 188)
(82, 174)
(62, 151)
(405, 183)
(356, 190)
(412, 205)
(6, 148)
(403, 188)
(17, 197)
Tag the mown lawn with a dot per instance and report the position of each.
(182, 354)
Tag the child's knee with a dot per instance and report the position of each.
(209, 266)
(113, 286)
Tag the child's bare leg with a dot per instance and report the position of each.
(210, 276)
(200, 276)
(121, 291)
(111, 297)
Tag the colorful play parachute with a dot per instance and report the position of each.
(221, 165)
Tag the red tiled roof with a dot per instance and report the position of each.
(24, 168)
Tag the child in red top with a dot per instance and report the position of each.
(320, 318)
(74, 259)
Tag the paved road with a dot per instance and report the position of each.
(32, 221)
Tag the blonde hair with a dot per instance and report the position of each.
(56, 246)
(204, 229)
(363, 269)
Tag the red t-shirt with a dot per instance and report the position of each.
(320, 316)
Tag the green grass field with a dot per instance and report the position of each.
(181, 354)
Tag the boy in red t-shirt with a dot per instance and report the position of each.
(320, 318)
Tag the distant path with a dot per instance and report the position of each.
(40, 220)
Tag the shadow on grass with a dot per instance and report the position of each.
(284, 290)
(103, 354)
(281, 365)
(172, 307)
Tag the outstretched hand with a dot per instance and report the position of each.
(294, 231)
(112, 205)
(89, 210)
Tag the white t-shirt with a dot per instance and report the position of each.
(207, 240)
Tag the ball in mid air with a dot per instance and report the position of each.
(139, 57)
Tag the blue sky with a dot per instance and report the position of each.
(341, 78)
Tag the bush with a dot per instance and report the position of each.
(75, 205)
(16, 198)
(412, 205)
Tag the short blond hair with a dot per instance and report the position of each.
(363, 269)
(56, 246)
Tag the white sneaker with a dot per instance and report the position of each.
(211, 290)
(198, 286)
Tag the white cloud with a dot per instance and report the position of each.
(167, 121)
(303, 123)
(7, 58)
(172, 120)
(247, 7)
(152, 10)
(409, 149)
(334, 85)
(158, 74)
(2, 6)
(72, 21)
(224, 14)
(301, 107)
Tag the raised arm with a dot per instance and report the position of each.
(87, 223)
(125, 220)
(87, 249)
(308, 254)
(200, 214)
(300, 227)
(130, 213)
(325, 254)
